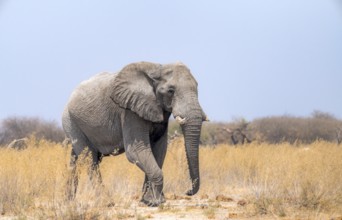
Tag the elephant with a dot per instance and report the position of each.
(128, 111)
(238, 135)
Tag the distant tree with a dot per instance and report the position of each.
(274, 129)
(323, 115)
(20, 127)
(321, 126)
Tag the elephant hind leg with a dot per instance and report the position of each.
(93, 173)
(72, 181)
(79, 143)
(94, 170)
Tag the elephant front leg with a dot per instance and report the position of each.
(138, 151)
(159, 149)
(142, 156)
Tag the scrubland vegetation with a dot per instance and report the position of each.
(272, 130)
(292, 169)
(275, 129)
(257, 180)
(21, 127)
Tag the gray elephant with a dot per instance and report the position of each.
(128, 112)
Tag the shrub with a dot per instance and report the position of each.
(296, 129)
(20, 127)
(274, 130)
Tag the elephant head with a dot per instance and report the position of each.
(152, 90)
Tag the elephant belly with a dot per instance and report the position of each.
(113, 150)
(105, 141)
(110, 145)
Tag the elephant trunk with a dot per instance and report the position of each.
(192, 131)
(189, 114)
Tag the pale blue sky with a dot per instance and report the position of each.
(251, 58)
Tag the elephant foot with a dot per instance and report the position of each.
(151, 203)
(153, 195)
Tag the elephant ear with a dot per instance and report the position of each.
(133, 88)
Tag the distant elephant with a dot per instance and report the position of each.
(237, 136)
(129, 112)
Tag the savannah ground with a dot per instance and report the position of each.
(255, 181)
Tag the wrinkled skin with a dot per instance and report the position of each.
(128, 112)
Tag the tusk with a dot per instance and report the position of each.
(180, 120)
(206, 118)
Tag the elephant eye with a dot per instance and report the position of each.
(171, 91)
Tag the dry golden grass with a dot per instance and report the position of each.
(265, 180)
